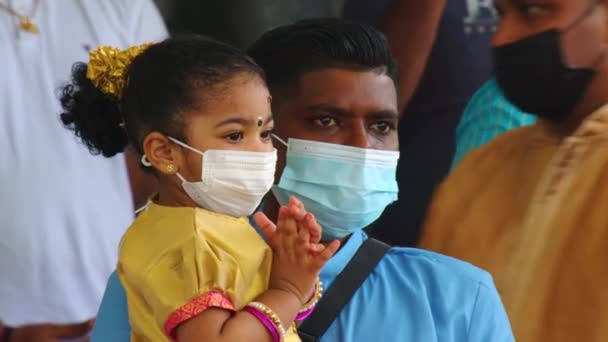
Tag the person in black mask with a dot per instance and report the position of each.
(531, 205)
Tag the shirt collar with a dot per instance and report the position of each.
(338, 262)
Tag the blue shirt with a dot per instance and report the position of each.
(487, 115)
(412, 295)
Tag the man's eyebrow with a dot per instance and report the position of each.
(335, 110)
(385, 114)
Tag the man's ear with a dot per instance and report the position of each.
(164, 156)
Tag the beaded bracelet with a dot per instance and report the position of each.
(309, 307)
(268, 318)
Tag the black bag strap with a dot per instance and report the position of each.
(339, 294)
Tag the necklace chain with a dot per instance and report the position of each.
(26, 23)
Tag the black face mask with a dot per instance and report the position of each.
(534, 77)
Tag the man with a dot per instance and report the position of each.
(62, 211)
(531, 205)
(334, 88)
(442, 48)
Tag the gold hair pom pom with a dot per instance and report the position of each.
(108, 65)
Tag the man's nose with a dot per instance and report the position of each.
(509, 30)
(358, 136)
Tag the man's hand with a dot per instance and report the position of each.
(418, 20)
(50, 332)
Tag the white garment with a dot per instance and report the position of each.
(62, 210)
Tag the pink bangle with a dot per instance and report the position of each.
(266, 321)
(304, 315)
(309, 307)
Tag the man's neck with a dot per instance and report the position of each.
(594, 99)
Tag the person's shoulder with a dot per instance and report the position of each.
(124, 11)
(127, 6)
(488, 109)
(512, 139)
(435, 267)
(501, 150)
(150, 227)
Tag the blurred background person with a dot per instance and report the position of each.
(530, 206)
(442, 47)
(62, 211)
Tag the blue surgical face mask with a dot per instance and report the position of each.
(346, 188)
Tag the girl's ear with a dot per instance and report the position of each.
(164, 156)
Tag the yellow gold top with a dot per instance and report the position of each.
(108, 65)
(176, 262)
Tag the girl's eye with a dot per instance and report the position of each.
(325, 121)
(383, 127)
(235, 136)
(266, 134)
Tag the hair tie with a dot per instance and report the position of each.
(108, 66)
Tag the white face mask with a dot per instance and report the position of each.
(233, 182)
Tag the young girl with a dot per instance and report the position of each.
(192, 266)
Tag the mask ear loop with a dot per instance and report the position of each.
(581, 17)
(578, 20)
(145, 162)
(280, 140)
(186, 146)
(600, 58)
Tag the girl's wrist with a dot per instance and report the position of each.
(292, 291)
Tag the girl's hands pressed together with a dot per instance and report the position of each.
(297, 254)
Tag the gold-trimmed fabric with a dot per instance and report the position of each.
(108, 66)
(196, 306)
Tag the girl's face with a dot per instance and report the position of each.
(234, 116)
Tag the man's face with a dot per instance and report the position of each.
(339, 106)
(582, 43)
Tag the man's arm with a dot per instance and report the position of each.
(44, 332)
(112, 323)
(411, 27)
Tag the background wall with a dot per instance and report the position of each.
(241, 21)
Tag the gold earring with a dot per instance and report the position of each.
(170, 168)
